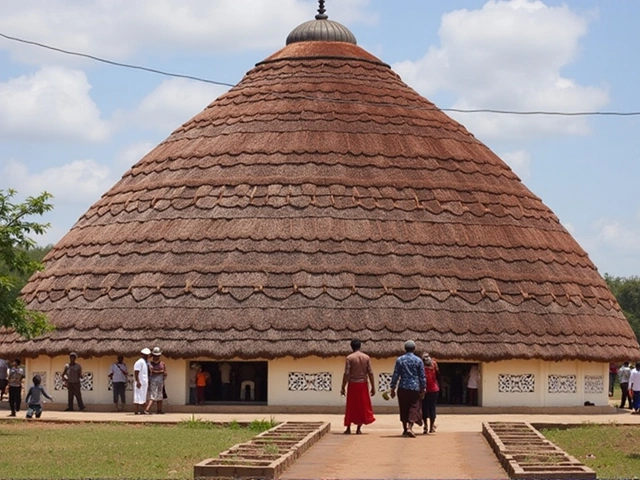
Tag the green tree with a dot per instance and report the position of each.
(627, 293)
(17, 262)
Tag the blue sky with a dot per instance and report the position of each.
(73, 126)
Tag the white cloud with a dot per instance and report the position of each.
(508, 55)
(130, 155)
(519, 161)
(79, 182)
(171, 104)
(118, 29)
(612, 232)
(51, 104)
(614, 242)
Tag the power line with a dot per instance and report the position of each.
(204, 80)
(111, 62)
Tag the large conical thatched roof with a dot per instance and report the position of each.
(323, 199)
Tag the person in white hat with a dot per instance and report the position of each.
(141, 377)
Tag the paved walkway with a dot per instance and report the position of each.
(383, 454)
(457, 450)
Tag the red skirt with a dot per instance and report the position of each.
(358, 410)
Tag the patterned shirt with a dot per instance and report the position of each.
(623, 374)
(16, 374)
(410, 370)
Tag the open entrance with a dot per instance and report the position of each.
(235, 382)
(454, 378)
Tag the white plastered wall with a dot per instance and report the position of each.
(279, 370)
(542, 396)
(280, 394)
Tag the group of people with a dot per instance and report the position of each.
(629, 379)
(150, 373)
(414, 381)
(149, 376)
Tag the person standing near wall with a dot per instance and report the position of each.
(624, 372)
(157, 375)
(357, 371)
(16, 375)
(472, 386)
(141, 378)
(72, 376)
(119, 374)
(225, 379)
(193, 371)
(613, 374)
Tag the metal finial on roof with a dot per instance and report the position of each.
(321, 11)
(321, 30)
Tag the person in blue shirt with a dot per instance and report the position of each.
(34, 398)
(408, 376)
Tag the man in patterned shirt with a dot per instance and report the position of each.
(408, 376)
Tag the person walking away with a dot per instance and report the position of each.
(119, 374)
(72, 375)
(634, 388)
(16, 375)
(613, 373)
(357, 372)
(431, 396)
(408, 376)
(4, 373)
(157, 374)
(141, 385)
(624, 372)
(34, 398)
(472, 386)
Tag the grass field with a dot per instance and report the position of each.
(611, 450)
(91, 450)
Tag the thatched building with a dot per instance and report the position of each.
(318, 200)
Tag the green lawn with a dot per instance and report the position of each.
(92, 450)
(611, 450)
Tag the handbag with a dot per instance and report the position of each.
(164, 392)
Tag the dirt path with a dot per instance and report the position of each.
(385, 454)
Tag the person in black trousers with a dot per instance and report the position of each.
(16, 375)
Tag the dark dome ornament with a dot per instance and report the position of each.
(321, 30)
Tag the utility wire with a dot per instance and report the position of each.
(204, 80)
(111, 62)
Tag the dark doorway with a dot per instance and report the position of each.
(236, 382)
(453, 383)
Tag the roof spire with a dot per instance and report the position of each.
(321, 31)
(321, 11)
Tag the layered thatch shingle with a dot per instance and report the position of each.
(323, 199)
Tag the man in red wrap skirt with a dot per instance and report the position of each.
(357, 371)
